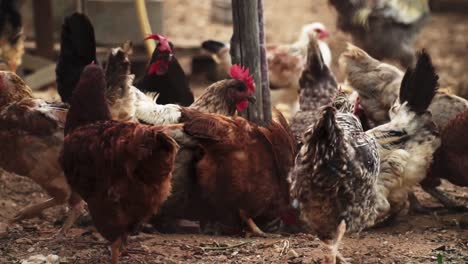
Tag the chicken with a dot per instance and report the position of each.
(450, 161)
(335, 174)
(378, 85)
(165, 76)
(122, 170)
(120, 93)
(243, 169)
(407, 143)
(285, 64)
(31, 132)
(223, 97)
(11, 36)
(385, 28)
(220, 52)
(77, 49)
(318, 86)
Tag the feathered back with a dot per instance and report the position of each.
(317, 142)
(88, 102)
(355, 58)
(10, 20)
(454, 134)
(420, 84)
(77, 49)
(283, 146)
(342, 103)
(12, 88)
(118, 69)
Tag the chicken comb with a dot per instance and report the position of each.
(163, 42)
(242, 74)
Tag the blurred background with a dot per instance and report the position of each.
(188, 23)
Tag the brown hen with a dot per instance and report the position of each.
(244, 167)
(31, 132)
(122, 170)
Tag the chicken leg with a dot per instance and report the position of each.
(449, 205)
(253, 227)
(444, 200)
(34, 210)
(334, 244)
(115, 251)
(76, 210)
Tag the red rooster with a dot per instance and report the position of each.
(122, 170)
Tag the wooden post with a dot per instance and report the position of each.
(266, 99)
(245, 50)
(43, 27)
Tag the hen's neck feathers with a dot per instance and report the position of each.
(317, 83)
(12, 88)
(214, 100)
(88, 103)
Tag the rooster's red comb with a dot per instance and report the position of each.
(163, 42)
(242, 74)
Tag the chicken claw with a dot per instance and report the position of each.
(115, 251)
(333, 245)
(75, 212)
(256, 231)
(449, 205)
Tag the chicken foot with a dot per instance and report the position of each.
(119, 248)
(115, 251)
(76, 211)
(449, 205)
(253, 227)
(34, 210)
(333, 246)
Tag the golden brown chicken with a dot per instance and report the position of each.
(31, 132)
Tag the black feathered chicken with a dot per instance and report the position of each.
(165, 76)
(77, 49)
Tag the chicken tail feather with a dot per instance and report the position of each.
(213, 46)
(420, 84)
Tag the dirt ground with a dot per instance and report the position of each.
(411, 239)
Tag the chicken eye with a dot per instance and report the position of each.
(241, 87)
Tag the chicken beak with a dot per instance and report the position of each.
(324, 34)
(252, 99)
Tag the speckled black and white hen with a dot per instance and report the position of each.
(334, 178)
(318, 86)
